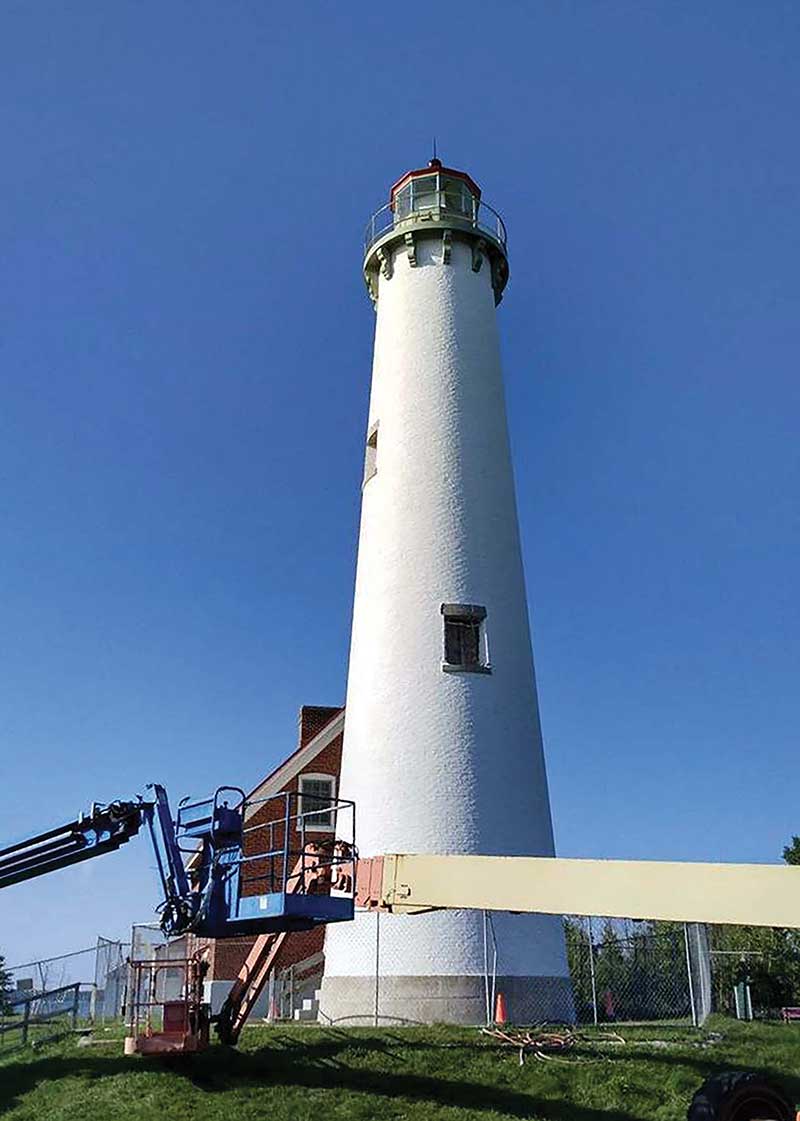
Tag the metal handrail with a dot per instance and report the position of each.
(288, 836)
(30, 1019)
(483, 217)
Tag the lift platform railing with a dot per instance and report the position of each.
(295, 835)
(235, 865)
(165, 1010)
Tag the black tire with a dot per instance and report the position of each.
(740, 1096)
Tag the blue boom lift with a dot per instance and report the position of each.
(228, 866)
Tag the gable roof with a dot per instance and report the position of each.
(287, 770)
(290, 768)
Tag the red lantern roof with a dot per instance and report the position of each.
(433, 166)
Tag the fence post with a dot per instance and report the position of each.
(271, 997)
(26, 1015)
(486, 972)
(591, 970)
(74, 1017)
(689, 974)
(377, 962)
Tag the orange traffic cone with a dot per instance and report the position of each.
(500, 1010)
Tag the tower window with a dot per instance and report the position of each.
(371, 457)
(465, 647)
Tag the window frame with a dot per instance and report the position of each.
(302, 823)
(466, 613)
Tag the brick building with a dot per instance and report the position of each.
(312, 769)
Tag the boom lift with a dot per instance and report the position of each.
(228, 866)
(103, 829)
(743, 894)
(233, 884)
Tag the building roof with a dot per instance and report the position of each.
(286, 771)
(435, 165)
(297, 761)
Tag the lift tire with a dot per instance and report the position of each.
(740, 1096)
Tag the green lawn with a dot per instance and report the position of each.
(301, 1073)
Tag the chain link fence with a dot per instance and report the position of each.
(98, 974)
(629, 971)
(110, 979)
(619, 971)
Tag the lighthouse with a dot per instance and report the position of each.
(442, 745)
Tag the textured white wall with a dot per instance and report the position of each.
(441, 762)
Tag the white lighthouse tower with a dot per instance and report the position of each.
(442, 749)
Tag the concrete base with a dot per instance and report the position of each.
(443, 1000)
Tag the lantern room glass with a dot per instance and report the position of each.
(424, 194)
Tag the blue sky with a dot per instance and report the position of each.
(185, 350)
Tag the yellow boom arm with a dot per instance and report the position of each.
(744, 894)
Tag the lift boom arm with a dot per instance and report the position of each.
(103, 829)
(743, 894)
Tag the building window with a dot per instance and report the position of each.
(317, 793)
(371, 458)
(465, 644)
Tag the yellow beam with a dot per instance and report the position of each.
(744, 894)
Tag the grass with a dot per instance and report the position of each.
(408, 1074)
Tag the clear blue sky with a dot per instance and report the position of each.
(185, 356)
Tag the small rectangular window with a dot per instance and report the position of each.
(316, 802)
(465, 648)
(371, 457)
(462, 642)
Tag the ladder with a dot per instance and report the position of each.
(248, 986)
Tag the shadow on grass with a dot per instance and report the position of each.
(312, 1065)
(706, 1067)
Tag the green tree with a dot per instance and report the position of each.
(769, 956)
(791, 854)
(664, 985)
(612, 971)
(577, 938)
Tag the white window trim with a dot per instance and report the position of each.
(317, 776)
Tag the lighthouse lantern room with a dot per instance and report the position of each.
(436, 198)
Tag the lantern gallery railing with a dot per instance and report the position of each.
(413, 204)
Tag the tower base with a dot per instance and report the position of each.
(443, 1000)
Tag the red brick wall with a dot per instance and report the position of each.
(227, 955)
(312, 719)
